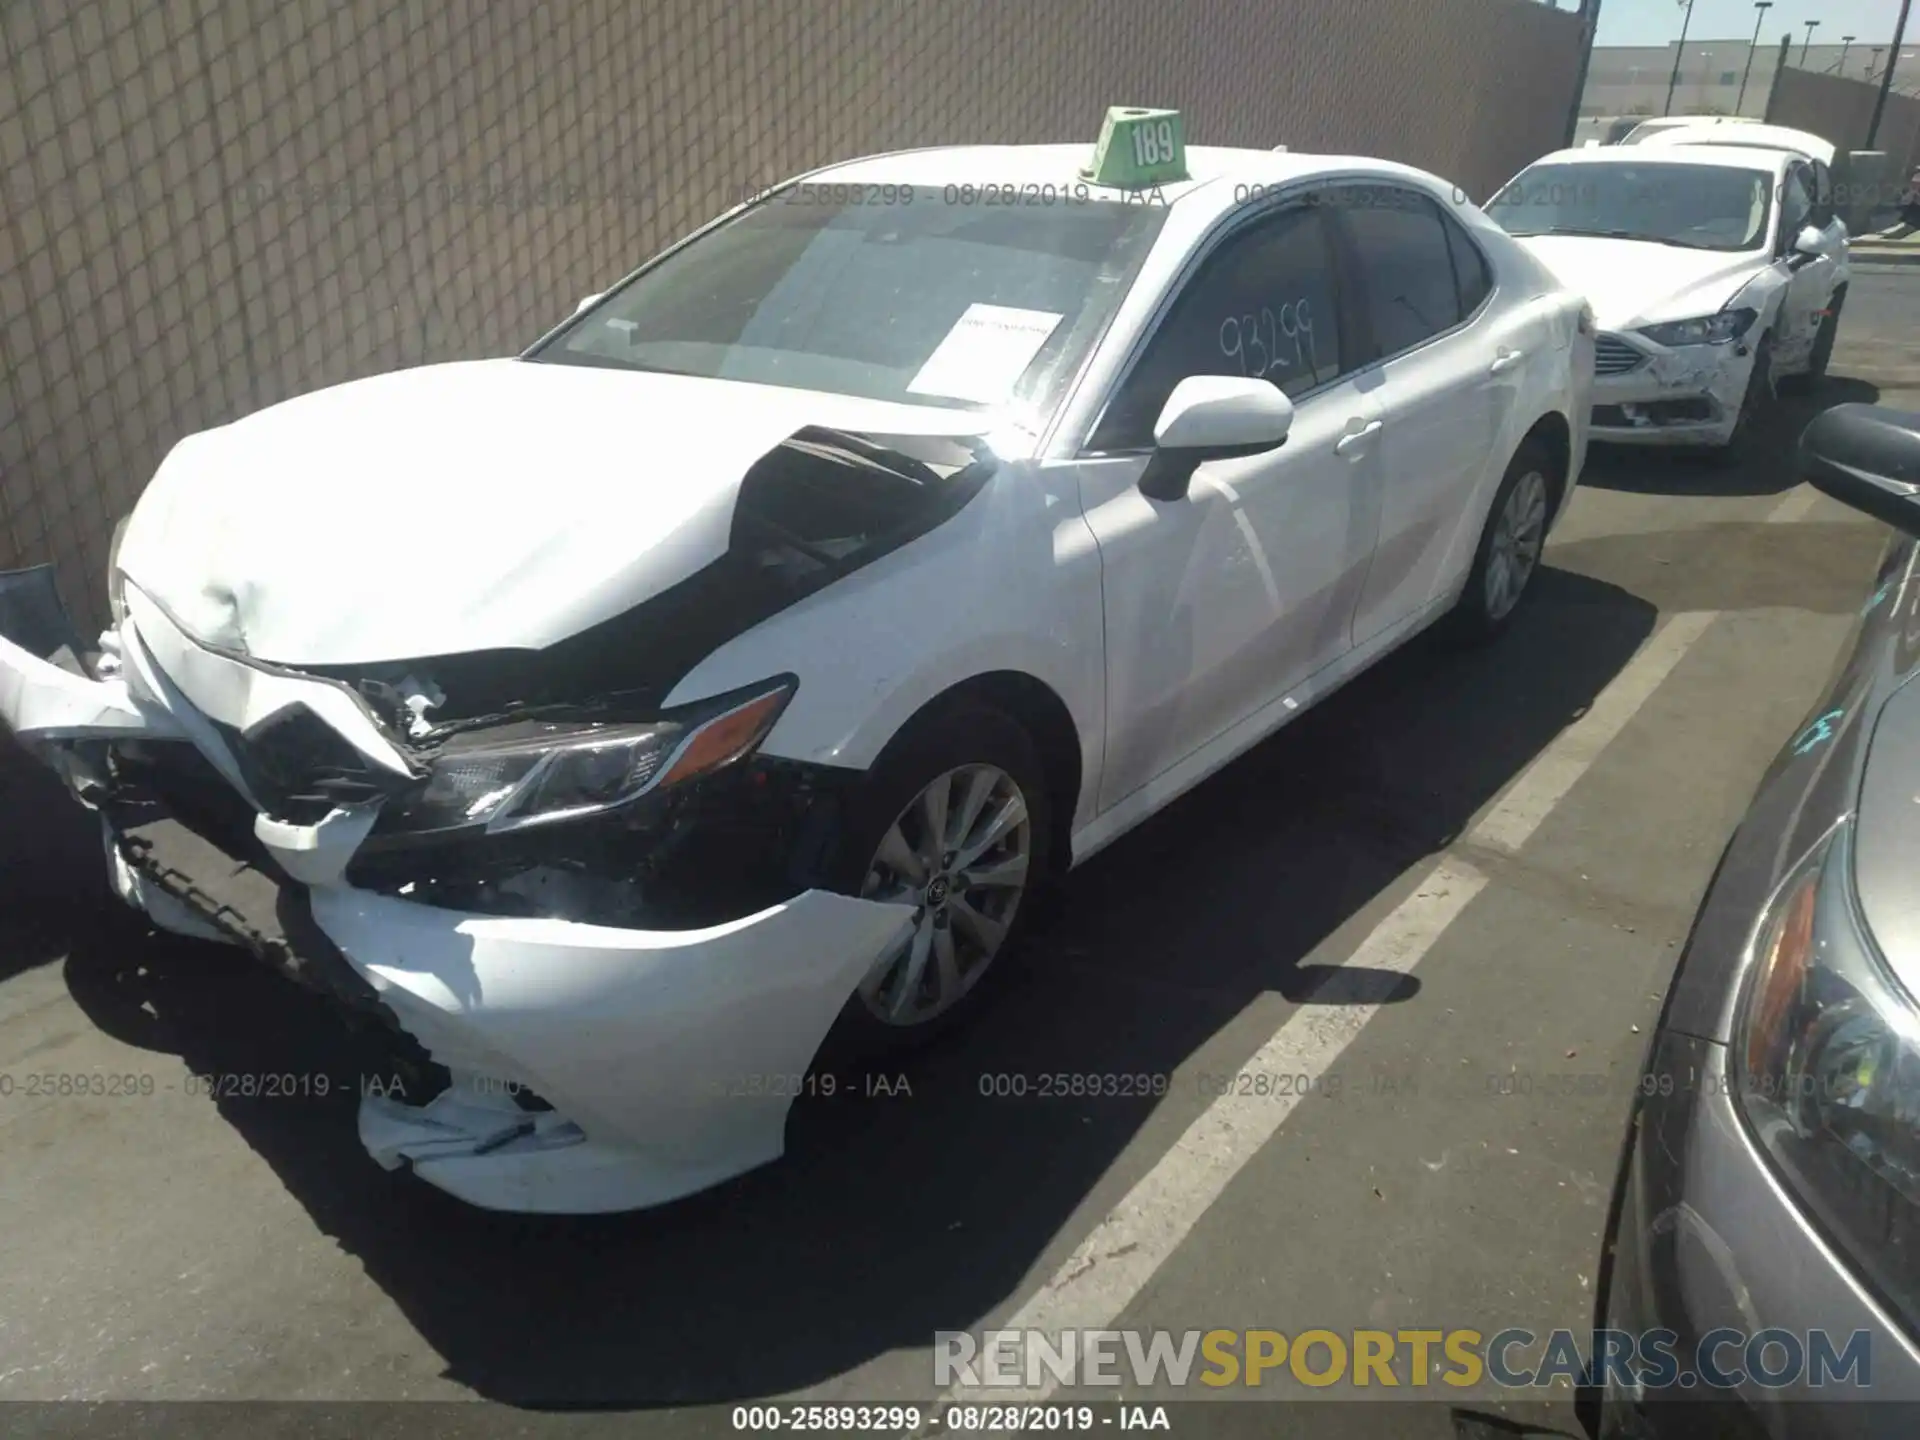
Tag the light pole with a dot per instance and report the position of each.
(1886, 80)
(1809, 42)
(1679, 51)
(1846, 41)
(1758, 20)
(1873, 62)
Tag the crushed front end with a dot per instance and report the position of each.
(1686, 393)
(588, 926)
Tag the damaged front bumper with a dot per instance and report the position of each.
(587, 1067)
(1645, 394)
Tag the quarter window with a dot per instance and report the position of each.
(1405, 265)
(1470, 275)
(1263, 304)
(1822, 195)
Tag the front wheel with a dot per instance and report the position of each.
(1756, 409)
(1829, 331)
(952, 825)
(1510, 546)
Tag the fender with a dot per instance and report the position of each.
(880, 644)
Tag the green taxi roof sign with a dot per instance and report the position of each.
(1139, 148)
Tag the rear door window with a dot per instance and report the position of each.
(1406, 265)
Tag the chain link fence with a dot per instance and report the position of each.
(1840, 111)
(211, 205)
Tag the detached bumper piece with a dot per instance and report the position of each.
(245, 899)
(32, 617)
(241, 899)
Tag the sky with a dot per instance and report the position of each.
(1655, 22)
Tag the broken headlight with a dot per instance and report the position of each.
(1826, 1061)
(540, 773)
(1720, 329)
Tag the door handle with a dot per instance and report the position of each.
(1505, 361)
(1347, 444)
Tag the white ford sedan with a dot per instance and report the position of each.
(1716, 267)
(764, 634)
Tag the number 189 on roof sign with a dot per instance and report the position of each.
(1140, 147)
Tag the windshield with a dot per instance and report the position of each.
(1695, 207)
(962, 297)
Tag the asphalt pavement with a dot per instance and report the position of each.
(1444, 906)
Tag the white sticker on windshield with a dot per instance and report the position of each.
(988, 349)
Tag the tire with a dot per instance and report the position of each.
(1822, 356)
(1756, 410)
(1485, 609)
(959, 746)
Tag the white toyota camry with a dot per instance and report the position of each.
(1716, 266)
(737, 660)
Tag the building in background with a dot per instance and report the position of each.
(1633, 79)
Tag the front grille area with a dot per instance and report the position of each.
(301, 768)
(177, 821)
(1652, 414)
(1614, 356)
(173, 774)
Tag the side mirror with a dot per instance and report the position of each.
(1213, 417)
(1809, 244)
(1867, 456)
(588, 303)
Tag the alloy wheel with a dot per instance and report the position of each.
(959, 854)
(1518, 536)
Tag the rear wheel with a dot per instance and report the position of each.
(953, 825)
(1510, 545)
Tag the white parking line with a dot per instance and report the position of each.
(1797, 504)
(1544, 783)
(1113, 1264)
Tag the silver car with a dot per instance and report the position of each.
(1771, 1176)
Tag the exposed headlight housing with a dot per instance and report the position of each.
(548, 772)
(1826, 1062)
(1721, 329)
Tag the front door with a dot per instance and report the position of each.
(1809, 279)
(1217, 604)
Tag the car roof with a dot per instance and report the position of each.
(1738, 157)
(1215, 172)
(1658, 124)
(1747, 137)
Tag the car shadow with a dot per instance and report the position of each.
(923, 1203)
(1641, 471)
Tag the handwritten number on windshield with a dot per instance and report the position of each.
(1259, 343)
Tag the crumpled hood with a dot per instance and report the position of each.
(1631, 283)
(490, 504)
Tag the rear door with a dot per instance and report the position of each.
(1448, 361)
